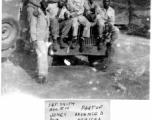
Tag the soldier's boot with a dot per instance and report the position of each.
(83, 39)
(55, 45)
(100, 44)
(74, 42)
(41, 79)
(62, 44)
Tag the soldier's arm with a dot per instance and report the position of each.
(112, 19)
(35, 3)
(86, 7)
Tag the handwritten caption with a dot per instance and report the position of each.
(77, 110)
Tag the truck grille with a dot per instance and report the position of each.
(93, 36)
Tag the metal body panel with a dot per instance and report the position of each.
(90, 51)
(11, 8)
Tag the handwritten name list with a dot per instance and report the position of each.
(77, 110)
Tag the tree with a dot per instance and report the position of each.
(130, 10)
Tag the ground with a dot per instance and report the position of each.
(126, 78)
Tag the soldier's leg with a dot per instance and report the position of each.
(54, 28)
(42, 61)
(86, 32)
(101, 26)
(54, 31)
(75, 26)
(65, 27)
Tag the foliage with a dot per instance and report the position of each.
(139, 31)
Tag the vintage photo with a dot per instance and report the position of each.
(76, 49)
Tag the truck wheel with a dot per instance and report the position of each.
(10, 32)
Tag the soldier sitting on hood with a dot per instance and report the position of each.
(106, 19)
(59, 22)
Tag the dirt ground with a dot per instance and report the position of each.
(126, 78)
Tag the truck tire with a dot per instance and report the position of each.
(10, 32)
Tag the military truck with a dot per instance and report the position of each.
(15, 26)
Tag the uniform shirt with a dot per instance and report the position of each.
(42, 28)
(76, 6)
(53, 11)
(108, 14)
(88, 6)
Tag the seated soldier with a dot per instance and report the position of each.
(59, 22)
(76, 8)
(106, 19)
(91, 9)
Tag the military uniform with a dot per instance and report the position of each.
(39, 31)
(58, 20)
(103, 17)
(76, 8)
(32, 7)
(42, 35)
(32, 10)
(91, 10)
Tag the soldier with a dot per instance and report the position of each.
(91, 9)
(106, 19)
(40, 41)
(76, 8)
(39, 31)
(32, 10)
(60, 22)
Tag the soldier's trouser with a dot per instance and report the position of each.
(32, 23)
(62, 27)
(114, 31)
(42, 58)
(83, 21)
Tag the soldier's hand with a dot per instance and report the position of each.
(60, 20)
(109, 19)
(108, 26)
(108, 22)
(88, 12)
(72, 15)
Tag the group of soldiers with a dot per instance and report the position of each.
(56, 18)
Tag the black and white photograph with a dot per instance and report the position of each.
(76, 49)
